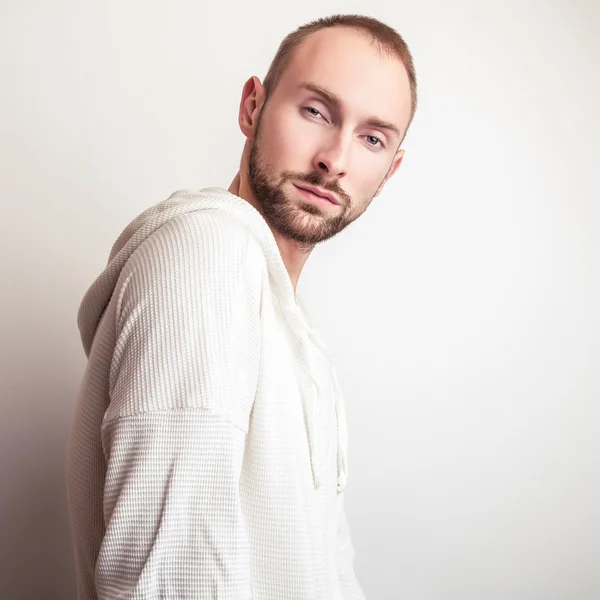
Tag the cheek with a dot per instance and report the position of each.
(289, 139)
(364, 175)
(371, 180)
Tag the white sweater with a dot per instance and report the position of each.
(207, 457)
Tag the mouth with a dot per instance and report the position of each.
(318, 193)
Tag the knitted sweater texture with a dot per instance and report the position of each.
(207, 455)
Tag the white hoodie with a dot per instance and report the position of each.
(207, 457)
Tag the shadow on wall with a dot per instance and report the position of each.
(36, 555)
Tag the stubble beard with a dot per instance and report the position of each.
(300, 221)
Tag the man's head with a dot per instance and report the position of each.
(334, 108)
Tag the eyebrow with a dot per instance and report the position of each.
(337, 103)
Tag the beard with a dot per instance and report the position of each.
(297, 220)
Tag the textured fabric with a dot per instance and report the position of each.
(207, 456)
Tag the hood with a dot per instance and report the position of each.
(97, 297)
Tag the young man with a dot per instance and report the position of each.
(207, 456)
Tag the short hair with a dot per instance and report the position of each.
(387, 39)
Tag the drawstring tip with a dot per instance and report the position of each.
(316, 481)
(341, 483)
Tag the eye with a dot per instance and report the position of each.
(377, 140)
(312, 111)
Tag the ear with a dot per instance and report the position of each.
(393, 168)
(251, 103)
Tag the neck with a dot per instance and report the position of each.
(293, 254)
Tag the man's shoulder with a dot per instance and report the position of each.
(212, 241)
(208, 226)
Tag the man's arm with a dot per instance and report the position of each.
(182, 383)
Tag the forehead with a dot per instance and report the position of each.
(345, 62)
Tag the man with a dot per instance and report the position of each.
(207, 456)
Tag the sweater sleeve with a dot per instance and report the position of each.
(182, 382)
(351, 589)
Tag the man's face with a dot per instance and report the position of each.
(303, 137)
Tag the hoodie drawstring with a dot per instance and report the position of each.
(310, 399)
(342, 455)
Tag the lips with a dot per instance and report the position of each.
(319, 192)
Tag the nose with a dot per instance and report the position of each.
(332, 158)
